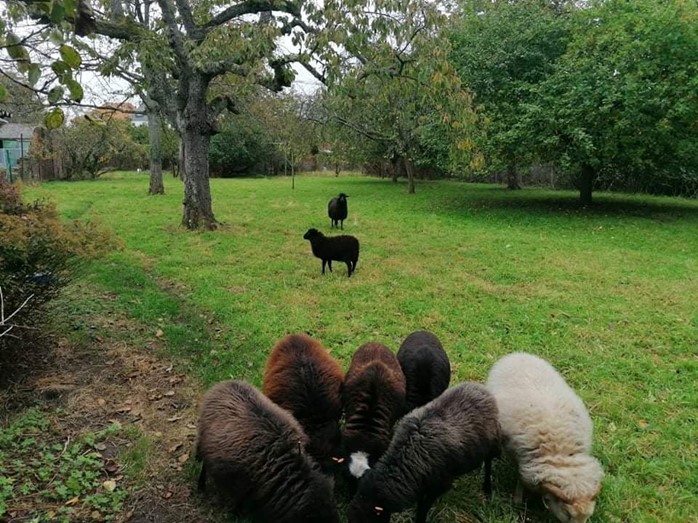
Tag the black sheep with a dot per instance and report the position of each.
(426, 367)
(337, 210)
(374, 399)
(338, 248)
(432, 446)
(253, 450)
(302, 377)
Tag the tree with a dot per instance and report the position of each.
(502, 50)
(400, 89)
(622, 99)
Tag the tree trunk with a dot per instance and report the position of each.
(154, 135)
(409, 169)
(196, 137)
(586, 183)
(513, 178)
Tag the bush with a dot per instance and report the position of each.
(39, 255)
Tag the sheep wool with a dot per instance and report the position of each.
(426, 367)
(254, 452)
(374, 399)
(452, 435)
(338, 210)
(548, 429)
(302, 377)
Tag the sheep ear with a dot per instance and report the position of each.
(556, 491)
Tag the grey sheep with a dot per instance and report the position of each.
(334, 248)
(433, 445)
(253, 451)
(426, 367)
(338, 210)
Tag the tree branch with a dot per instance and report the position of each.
(250, 7)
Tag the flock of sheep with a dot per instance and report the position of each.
(342, 248)
(394, 429)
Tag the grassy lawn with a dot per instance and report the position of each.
(609, 295)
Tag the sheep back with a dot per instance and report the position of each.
(425, 366)
(252, 449)
(303, 378)
(374, 399)
(546, 426)
(432, 445)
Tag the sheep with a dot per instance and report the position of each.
(433, 445)
(303, 378)
(253, 450)
(374, 399)
(549, 431)
(337, 210)
(425, 366)
(339, 248)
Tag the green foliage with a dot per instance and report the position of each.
(607, 294)
(241, 147)
(92, 146)
(61, 480)
(502, 51)
(39, 255)
(621, 100)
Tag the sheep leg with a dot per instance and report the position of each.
(342, 223)
(323, 266)
(487, 486)
(329, 264)
(348, 268)
(202, 478)
(423, 506)
(518, 492)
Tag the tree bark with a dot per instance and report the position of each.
(154, 135)
(586, 183)
(513, 178)
(196, 137)
(409, 169)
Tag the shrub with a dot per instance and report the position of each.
(39, 255)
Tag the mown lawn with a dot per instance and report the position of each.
(609, 295)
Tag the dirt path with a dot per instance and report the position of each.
(83, 388)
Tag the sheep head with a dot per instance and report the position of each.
(566, 509)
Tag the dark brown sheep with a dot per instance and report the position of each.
(343, 248)
(253, 451)
(374, 399)
(304, 379)
(426, 367)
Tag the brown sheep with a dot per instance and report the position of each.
(374, 399)
(253, 450)
(304, 379)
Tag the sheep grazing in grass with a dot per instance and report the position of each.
(374, 399)
(334, 248)
(304, 379)
(547, 428)
(433, 445)
(253, 451)
(426, 367)
(337, 210)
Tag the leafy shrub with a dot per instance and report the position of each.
(39, 255)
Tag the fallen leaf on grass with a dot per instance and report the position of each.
(100, 446)
(101, 402)
(174, 418)
(167, 495)
(109, 485)
(159, 333)
(183, 458)
(72, 501)
(170, 393)
(174, 448)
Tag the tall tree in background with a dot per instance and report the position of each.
(502, 50)
(398, 89)
(622, 99)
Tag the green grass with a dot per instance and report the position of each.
(609, 295)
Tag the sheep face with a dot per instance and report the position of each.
(578, 512)
(310, 234)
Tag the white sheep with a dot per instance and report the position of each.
(547, 428)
